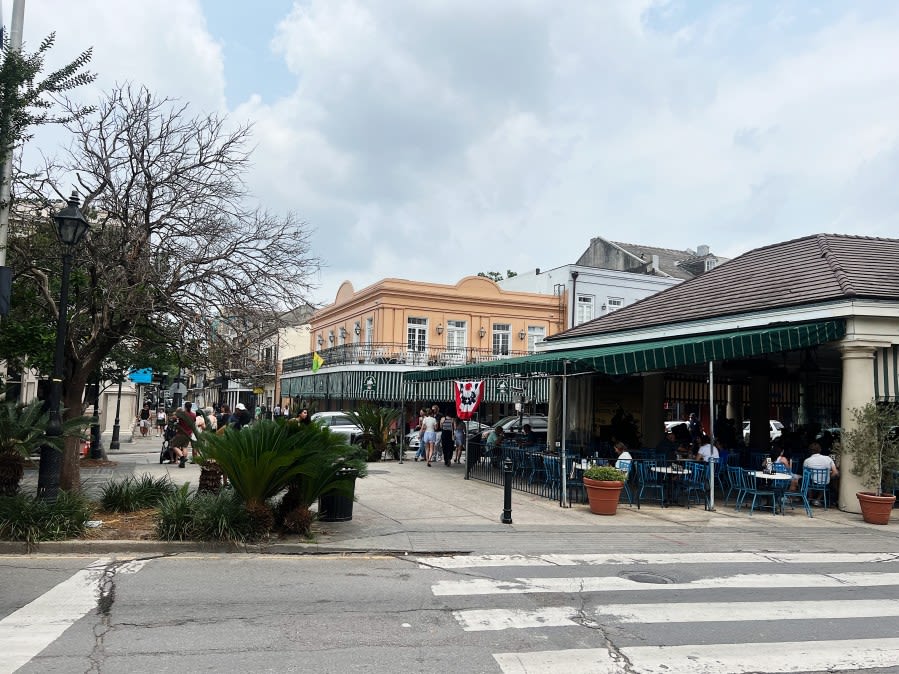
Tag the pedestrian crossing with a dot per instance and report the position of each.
(680, 613)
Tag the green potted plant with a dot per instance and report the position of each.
(604, 485)
(872, 445)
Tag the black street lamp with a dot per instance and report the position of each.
(71, 227)
(114, 442)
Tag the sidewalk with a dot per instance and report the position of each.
(409, 508)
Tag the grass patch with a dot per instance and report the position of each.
(135, 493)
(25, 518)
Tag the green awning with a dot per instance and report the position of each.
(648, 356)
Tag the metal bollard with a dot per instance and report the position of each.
(507, 492)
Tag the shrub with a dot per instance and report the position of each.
(605, 473)
(135, 493)
(205, 517)
(220, 517)
(26, 518)
(175, 521)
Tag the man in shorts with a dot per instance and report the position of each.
(143, 420)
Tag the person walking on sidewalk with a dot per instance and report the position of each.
(429, 435)
(458, 438)
(446, 439)
(181, 441)
(143, 420)
(160, 421)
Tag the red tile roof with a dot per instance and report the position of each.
(809, 270)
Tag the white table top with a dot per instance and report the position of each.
(772, 476)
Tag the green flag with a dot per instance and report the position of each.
(317, 361)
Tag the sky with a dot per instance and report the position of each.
(433, 139)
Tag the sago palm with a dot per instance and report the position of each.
(376, 424)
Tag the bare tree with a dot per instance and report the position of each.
(173, 242)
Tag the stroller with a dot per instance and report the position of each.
(167, 452)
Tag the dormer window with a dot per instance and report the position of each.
(710, 263)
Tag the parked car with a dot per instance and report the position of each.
(340, 423)
(513, 424)
(775, 429)
(671, 425)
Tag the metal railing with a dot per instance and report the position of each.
(387, 353)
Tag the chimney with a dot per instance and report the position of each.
(655, 263)
(702, 250)
(538, 271)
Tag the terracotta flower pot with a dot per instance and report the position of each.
(603, 495)
(875, 509)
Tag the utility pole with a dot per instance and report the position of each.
(15, 43)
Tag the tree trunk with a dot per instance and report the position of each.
(70, 472)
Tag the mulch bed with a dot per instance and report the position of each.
(139, 525)
(97, 463)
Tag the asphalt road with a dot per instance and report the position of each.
(638, 613)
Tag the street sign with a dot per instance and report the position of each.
(142, 376)
(178, 389)
(258, 390)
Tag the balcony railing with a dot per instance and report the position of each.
(396, 354)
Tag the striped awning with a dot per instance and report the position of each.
(649, 356)
(388, 385)
(886, 373)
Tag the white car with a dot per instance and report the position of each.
(340, 423)
(474, 429)
(775, 429)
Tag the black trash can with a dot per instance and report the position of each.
(337, 506)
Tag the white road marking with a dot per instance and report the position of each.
(806, 558)
(483, 586)
(699, 612)
(798, 656)
(28, 631)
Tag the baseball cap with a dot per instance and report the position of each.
(241, 406)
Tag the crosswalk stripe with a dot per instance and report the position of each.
(485, 586)
(28, 631)
(798, 656)
(563, 616)
(476, 561)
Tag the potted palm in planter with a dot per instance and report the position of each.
(604, 485)
(873, 445)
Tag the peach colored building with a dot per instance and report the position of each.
(394, 325)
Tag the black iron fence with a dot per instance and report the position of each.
(386, 353)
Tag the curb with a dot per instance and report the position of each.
(164, 548)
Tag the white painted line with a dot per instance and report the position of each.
(477, 561)
(797, 656)
(485, 620)
(28, 631)
(699, 612)
(482, 586)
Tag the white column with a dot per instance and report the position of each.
(858, 390)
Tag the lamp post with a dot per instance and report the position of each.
(114, 442)
(71, 227)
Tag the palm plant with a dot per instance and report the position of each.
(376, 424)
(263, 458)
(22, 433)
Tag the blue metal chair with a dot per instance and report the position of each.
(819, 481)
(650, 480)
(574, 481)
(736, 485)
(696, 482)
(780, 468)
(537, 472)
(757, 460)
(759, 491)
(553, 475)
(801, 494)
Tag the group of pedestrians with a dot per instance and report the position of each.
(439, 431)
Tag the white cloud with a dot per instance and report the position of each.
(433, 139)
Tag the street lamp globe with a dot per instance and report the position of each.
(70, 223)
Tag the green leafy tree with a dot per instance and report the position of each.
(873, 444)
(497, 276)
(28, 101)
(173, 245)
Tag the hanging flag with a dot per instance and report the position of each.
(468, 396)
(317, 361)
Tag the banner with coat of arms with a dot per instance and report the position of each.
(469, 395)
